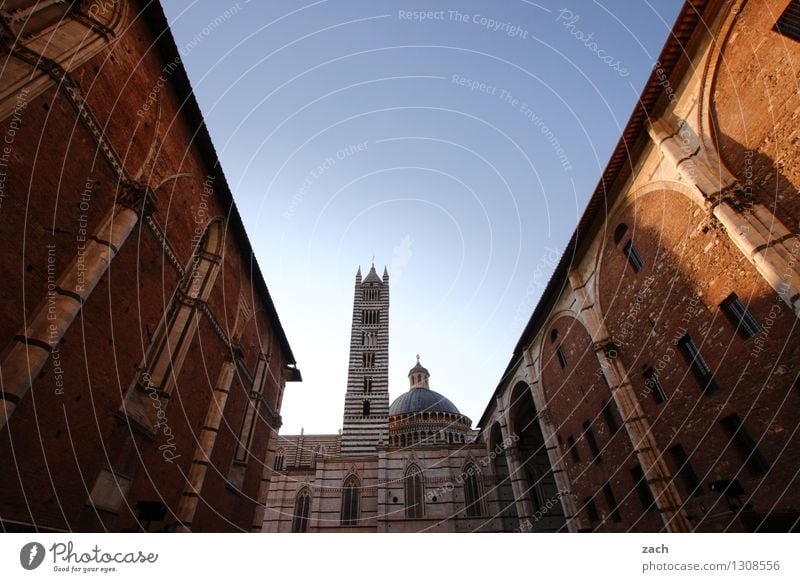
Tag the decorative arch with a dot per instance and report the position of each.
(169, 347)
(173, 338)
(64, 34)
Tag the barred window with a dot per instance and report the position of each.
(653, 383)
(789, 22)
(634, 258)
(698, 364)
(740, 315)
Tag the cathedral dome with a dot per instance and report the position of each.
(421, 400)
(424, 417)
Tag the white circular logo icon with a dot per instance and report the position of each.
(31, 555)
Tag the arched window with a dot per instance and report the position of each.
(365, 408)
(473, 492)
(302, 505)
(414, 493)
(350, 501)
(279, 456)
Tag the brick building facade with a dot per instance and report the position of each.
(143, 362)
(661, 364)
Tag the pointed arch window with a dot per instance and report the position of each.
(351, 497)
(473, 491)
(302, 506)
(365, 408)
(279, 457)
(414, 493)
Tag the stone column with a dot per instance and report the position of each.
(567, 497)
(669, 502)
(201, 458)
(50, 321)
(757, 233)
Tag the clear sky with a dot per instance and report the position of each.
(458, 146)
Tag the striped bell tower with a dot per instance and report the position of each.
(366, 404)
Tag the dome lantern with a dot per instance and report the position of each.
(418, 376)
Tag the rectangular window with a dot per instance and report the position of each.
(573, 449)
(745, 444)
(740, 315)
(612, 503)
(561, 359)
(698, 364)
(634, 258)
(789, 22)
(589, 433)
(653, 384)
(369, 359)
(685, 471)
(611, 420)
(642, 489)
(591, 510)
(370, 317)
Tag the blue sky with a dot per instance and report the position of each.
(459, 147)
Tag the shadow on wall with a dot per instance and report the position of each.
(713, 355)
(764, 180)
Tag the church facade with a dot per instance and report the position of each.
(656, 385)
(412, 466)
